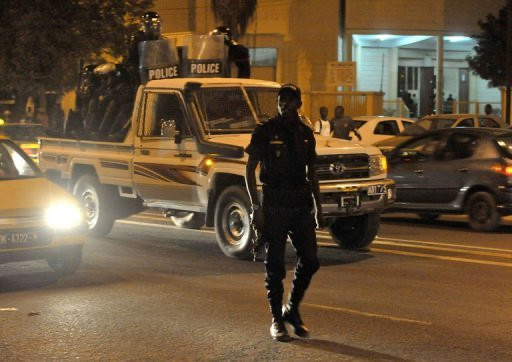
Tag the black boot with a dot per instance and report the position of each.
(292, 316)
(278, 330)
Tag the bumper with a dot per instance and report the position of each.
(58, 243)
(356, 198)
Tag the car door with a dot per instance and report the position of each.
(407, 166)
(165, 157)
(450, 168)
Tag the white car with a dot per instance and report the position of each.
(378, 128)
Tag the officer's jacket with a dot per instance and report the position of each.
(284, 149)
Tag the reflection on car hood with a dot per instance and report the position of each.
(30, 196)
(393, 141)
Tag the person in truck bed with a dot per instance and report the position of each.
(285, 147)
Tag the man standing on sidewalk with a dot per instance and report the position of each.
(285, 148)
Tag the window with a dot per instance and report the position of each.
(264, 101)
(15, 164)
(389, 128)
(488, 122)
(459, 146)
(160, 110)
(263, 57)
(358, 123)
(419, 150)
(468, 122)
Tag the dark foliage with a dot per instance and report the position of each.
(235, 14)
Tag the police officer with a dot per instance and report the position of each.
(285, 148)
(150, 30)
(237, 53)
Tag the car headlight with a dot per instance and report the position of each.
(63, 216)
(378, 165)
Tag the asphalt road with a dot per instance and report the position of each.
(425, 291)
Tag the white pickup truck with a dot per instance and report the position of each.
(184, 155)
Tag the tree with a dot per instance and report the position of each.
(43, 41)
(236, 14)
(490, 59)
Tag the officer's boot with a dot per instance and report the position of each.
(291, 309)
(278, 330)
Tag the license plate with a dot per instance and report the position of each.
(377, 190)
(17, 238)
(346, 201)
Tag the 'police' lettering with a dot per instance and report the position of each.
(163, 73)
(208, 68)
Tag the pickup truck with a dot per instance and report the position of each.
(184, 155)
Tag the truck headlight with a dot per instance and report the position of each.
(378, 165)
(63, 216)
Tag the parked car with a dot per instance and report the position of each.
(38, 219)
(455, 171)
(378, 128)
(25, 135)
(440, 121)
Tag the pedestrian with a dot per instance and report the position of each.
(342, 125)
(488, 110)
(285, 147)
(323, 125)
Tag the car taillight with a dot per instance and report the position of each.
(502, 169)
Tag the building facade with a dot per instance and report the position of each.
(407, 49)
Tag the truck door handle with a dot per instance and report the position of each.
(418, 172)
(145, 152)
(463, 169)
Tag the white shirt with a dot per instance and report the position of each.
(325, 129)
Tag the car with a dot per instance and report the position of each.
(38, 219)
(455, 171)
(25, 135)
(440, 121)
(378, 128)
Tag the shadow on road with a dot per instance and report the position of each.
(345, 350)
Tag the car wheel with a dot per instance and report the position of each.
(94, 200)
(355, 232)
(232, 222)
(66, 260)
(482, 211)
(188, 220)
(428, 217)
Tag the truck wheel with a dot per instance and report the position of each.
(94, 200)
(189, 220)
(355, 232)
(482, 211)
(232, 223)
(66, 260)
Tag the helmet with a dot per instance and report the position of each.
(151, 24)
(225, 31)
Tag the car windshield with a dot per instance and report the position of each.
(427, 124)
(14, 164)
(505, 143)
(358, 123)
(227, 109)
(23, 132)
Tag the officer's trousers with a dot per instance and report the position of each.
(299, 225)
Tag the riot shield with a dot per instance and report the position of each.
(205, 56)
(158, 59)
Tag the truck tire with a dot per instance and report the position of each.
(355, 232)
(482, 211)
(94, 199)
(189, 220)
(232, 222)
(66, 260)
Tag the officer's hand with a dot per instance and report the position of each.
(320, 221)
(258, 220)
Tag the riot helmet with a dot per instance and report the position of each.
(151, 25)
(224, 31)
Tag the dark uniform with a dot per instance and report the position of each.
(284, 148)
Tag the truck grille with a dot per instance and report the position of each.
(342, 167)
